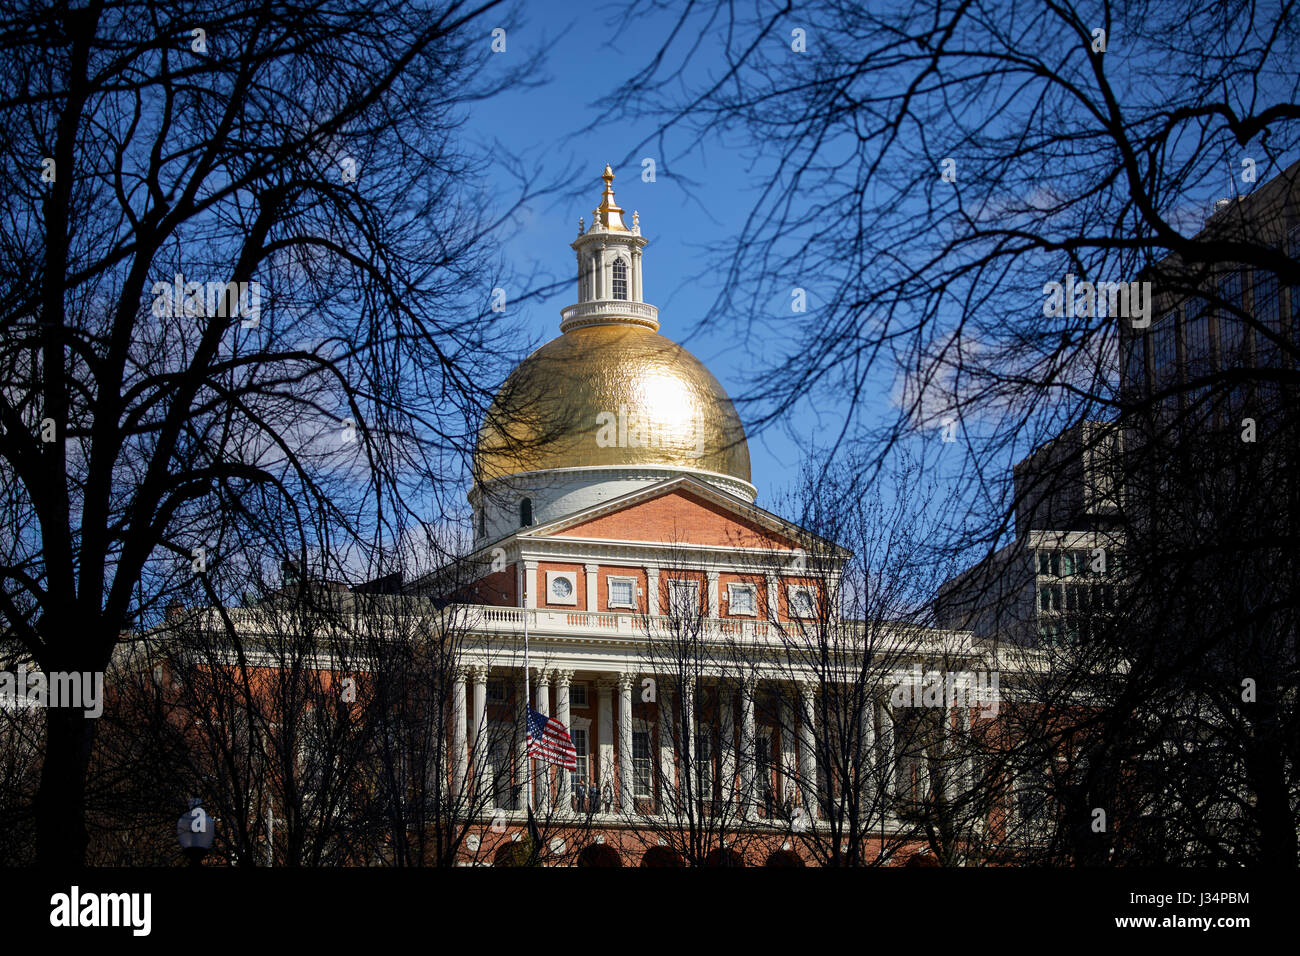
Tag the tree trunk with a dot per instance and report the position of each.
(61, 836)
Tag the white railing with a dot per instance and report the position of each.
(553, 621)
(608, 308)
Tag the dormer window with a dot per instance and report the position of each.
(526, 513)
(620, 279)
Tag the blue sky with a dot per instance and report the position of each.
(697, 203)
(585, 58)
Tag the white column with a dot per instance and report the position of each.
(773, 602)
(714, 604)
(652, 591)
(807, 754)
(726, 744)
(542, 769)
(562, 681)
(478, 734)
(965, 740)
(688, 724)
(605, 727)
(459, 755)
(530, 583)
(593, 587)
(867, 760)
(625, 742)
(748, 741)
(788, 767)
(600, 273)
(888, 760)
(947, 784)
(916, 737)
(667, 765)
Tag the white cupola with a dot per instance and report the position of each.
(609, 270)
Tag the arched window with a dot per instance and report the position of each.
(620, 279)
(526, 513)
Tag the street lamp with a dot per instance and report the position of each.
(194, 832)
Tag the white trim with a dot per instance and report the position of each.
(572, 578)
(791, 590)
(609, 592)
(694, 586)
(732, 588)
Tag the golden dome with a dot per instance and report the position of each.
(611, 395)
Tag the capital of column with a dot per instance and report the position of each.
(460, 673)
(480, 673)
(530, 565)
(591, 568)
(544, 677)
(625, 680)
(563, 678)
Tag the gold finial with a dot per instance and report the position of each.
(610, 215)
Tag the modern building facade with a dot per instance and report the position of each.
(1059, 577)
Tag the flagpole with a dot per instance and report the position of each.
(528, 705)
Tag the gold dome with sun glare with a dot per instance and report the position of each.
(611, 392)
(611, 395)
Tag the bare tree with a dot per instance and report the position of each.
(223, 328)
(930, 171)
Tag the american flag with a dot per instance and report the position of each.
(549, 741)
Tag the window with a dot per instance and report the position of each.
(578, 695)
(580, 745)
(801, 601)
(742, 599)
(482, 523)
(620, 279)
(562, 587)
(1071, 597)
(526, 513)
(1164, 353)
(683, 598)
(641, 763)
(622, 592)
(1232, 333)
(1049, 563)
(1069, 564)
(1196, 340)
(1049, 598)
(1135, 367)
(1267, 313)
(496, 691)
